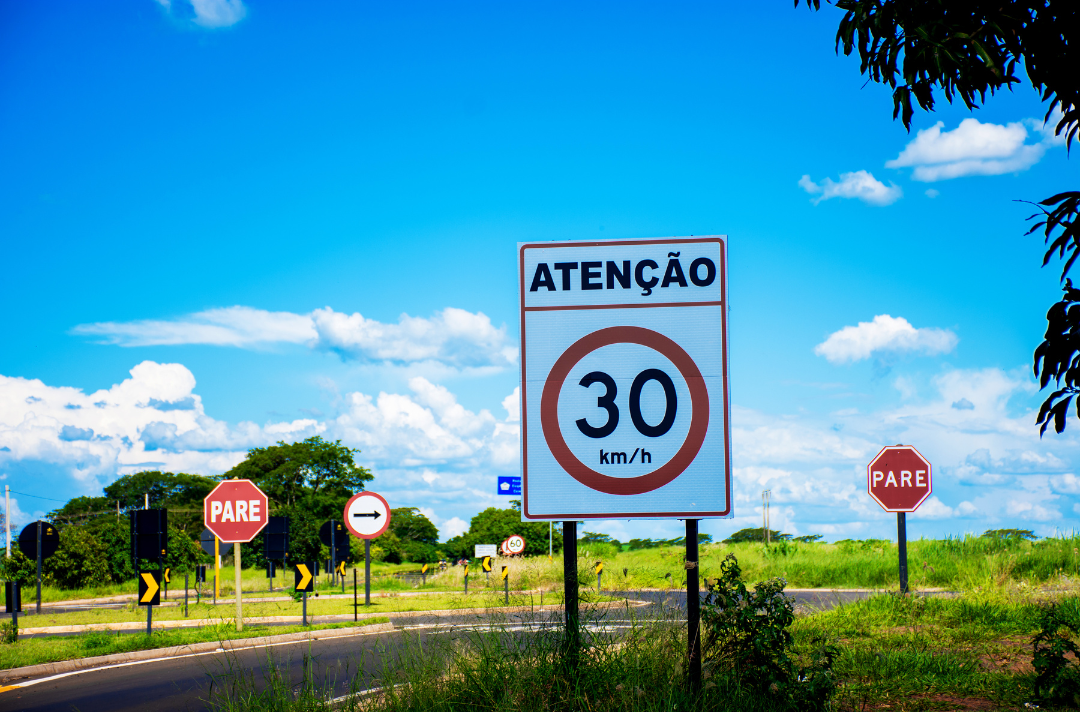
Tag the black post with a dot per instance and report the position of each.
(598, 575)
(693, 605)
(570, 590)
(185, 595)
(305, 608)
(39, 567)
(367, 572)
(466, 582)
(149, 617)
(16, 595)
(901, 539)
(355, 603)
(333, 552)
(506, 588)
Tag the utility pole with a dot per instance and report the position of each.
(766, 495)
(7, 517)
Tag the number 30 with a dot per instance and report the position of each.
(607, 402)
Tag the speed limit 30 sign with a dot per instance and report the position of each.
(624, 398)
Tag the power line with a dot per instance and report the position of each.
(37, 496)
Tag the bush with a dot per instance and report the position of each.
(1057, 678)
(747, 635)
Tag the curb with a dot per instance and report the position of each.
(314, 618)
(6, 676)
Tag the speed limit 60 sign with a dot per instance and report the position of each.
(624, 397)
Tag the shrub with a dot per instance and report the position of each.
(1057, 678)
(747, 634)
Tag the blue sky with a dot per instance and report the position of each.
(214, 215)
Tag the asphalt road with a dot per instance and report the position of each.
(202, 681)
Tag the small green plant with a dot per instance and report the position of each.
(747, 634)
(1056, 654)
(9, 633)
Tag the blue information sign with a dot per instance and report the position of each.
(510, 485)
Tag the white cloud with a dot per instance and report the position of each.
(210, 14)
(430, 427)
(229, 326)
(512, 404)
(934, 508)
(884, 335)
(96, 436)
(453, 338)
(972, 148)
(857, 184)
(455, 526)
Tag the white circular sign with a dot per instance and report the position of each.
(515, 544)
(367, 515)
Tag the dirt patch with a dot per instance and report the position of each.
(964, 703)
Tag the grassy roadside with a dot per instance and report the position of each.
(957, 564)
(321, 606)
(973, 652)
(251, 580)
(35, 651)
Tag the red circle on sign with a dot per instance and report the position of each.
(699, 421)
(385, 524)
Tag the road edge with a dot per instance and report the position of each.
(78, 664)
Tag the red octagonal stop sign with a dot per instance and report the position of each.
(899, 478)
(236, 511)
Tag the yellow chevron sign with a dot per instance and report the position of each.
(486, 564)
(505, 572)
(341, 568)
(304, 573)
(168, 577)
(466, 569)
(423, 569)
(150, 594)
(599, 566)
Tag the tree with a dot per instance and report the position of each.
(309, 482)
(755, 534)
(1010, 535)
(968, 49)
(493, 526)
(182, 494)
(416, 537)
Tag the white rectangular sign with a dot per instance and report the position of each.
(482, 550)
(624, 385)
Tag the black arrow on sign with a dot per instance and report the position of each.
(376, 515)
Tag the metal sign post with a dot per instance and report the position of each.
(624, 388)
(39, 540)
(367, 515)
(39, 568)
(570, 591)
(693, 605)
(899, 479)
(236, 511)
(901, 541)
(367, 572)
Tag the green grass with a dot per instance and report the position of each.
(35, 651)
(916, 653)
(321, 606)
(972, 651)
(957, 563)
